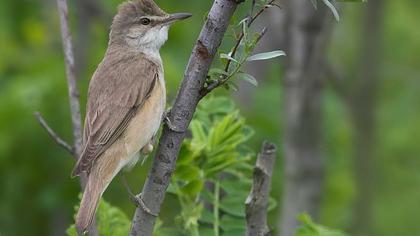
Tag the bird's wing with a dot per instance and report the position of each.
(117, 90)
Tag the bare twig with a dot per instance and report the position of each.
(181, 114)
(71, 78)
(73, 92)
(250, 20)
(53, 134)
(257, 202)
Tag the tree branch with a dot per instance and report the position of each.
(71, 78)
(181, 114)
(256, 203)
(250, 20)
(73, 92)
(53, 134)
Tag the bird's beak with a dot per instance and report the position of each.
(176, 17)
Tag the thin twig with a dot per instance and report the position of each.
(53, 134)
(256, 203)
(73, 92)
(181, 114)
(71, 78)
(224, 79)
(250, 20)
(241, 36)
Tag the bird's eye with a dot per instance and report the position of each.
(145, 21)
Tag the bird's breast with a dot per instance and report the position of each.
(145, 124)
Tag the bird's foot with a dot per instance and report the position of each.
(169, 123)
(137, 200)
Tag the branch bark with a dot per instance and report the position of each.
(73, 92)
(186, 101)
(257, 202)
(71, 78)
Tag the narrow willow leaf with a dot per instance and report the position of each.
(227, 56)
(266, 55)
(233, 86)
(249, 78)
(315, 3)
(332, 8)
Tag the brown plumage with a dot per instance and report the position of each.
(126, 100)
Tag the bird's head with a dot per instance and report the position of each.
(142, 24)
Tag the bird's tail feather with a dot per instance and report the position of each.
(93, 192)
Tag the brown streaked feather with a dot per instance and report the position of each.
(119, 87)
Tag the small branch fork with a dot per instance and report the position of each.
(74, 150)
(210, 87)
(53, 134)
(256, 204)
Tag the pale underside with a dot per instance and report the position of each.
(139, 133)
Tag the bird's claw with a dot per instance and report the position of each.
(169, 123)
(137, 200)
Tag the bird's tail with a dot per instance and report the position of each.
(93, 191)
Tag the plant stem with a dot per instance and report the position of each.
(216, 208)
(241, 36)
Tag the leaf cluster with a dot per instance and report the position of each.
(309, 228)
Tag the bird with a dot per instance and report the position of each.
(126, 100)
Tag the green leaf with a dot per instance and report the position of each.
(193, 187)
(110, 221)
(248, 78)
(309, 228)
(187, 173)
(233, 86)
(332, 8)
(227, 56)
(228, 223)
(266, 55)
(234, 204)
(199, 141)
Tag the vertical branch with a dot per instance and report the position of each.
(73, 91)
(257, 201)
(181, 114)
(307, 39)
(71, 78)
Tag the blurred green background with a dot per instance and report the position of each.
(37, 195)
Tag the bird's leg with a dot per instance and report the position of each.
(169, 123)
(137, 200)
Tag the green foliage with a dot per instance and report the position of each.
(32, 78)
(241, 54)
(217, 146)
(111, 221)
(309, 228)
